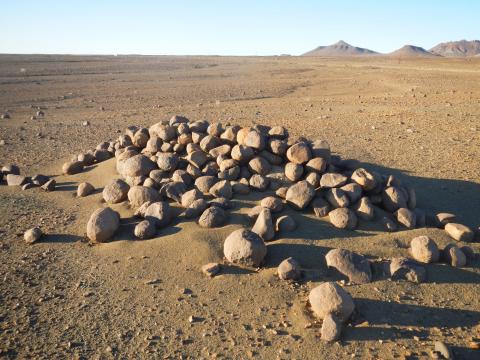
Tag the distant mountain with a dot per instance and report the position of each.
(412, 51)
(340, 48)
(460, 48)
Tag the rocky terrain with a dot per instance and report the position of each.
(340, 48)
(411, 51)
(460, 48)
(182, 293)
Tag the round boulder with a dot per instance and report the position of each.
(115, 191)
(343, 218)
(289, 269)
(244, 247)
(102, 224)
(424, 249)
(329, 298)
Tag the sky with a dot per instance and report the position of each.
(242, 27)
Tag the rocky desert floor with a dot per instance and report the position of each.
(64, 298)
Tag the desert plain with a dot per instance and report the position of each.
(62, 297)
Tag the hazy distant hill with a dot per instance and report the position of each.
(460, 48)
(340, 48)
(412, 51)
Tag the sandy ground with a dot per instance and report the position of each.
(61, 298)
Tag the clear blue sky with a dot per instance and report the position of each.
(242, 27)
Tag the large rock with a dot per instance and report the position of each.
(137, 195)
(72, 167)
(102, 225)
(190, 196)
(145, 229)
(16, 180)
(454, 256)
(343, 218)
(406, 217)
(212, 217)
(299, 153)
(159, 213)
(332, 180)
(244, 247)
(364, 209)
(137, 165)
(115, 191)
(354, 266)
(320, 207)
(459, 232)
(222, 189)
(167, 161)
(331, 328)
(84, 189)
(407, 269)
(32, 235)
(337, 198)
(259, 182)
(205, 183)
(254, 139)
(330, 298)
(259, 165)
(264, 225)
(318, 165)
(242, 153)
(289, 269)
(364, 178)
(273, 203)
(393, 198)
(300, 194)
(293, 171)
(424, 249)
(196, 208)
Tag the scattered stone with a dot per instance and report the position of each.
(39, 179)
(459, 232)
(145, 229)
(285, 223)
(211, 269)
(10, 169)
(244, 247)
(212, 217)
(115, 191)
(102, 225)
(343, 218)
(289, 269)
(32, 235)
(330, 298)
(424, 249)
(353, 191)
(205, 183)
(264, 225)
(85, 189)
(259, 165)
(354, 266)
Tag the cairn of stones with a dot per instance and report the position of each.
(201, 166)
